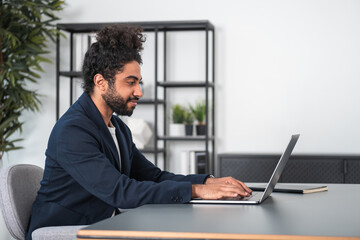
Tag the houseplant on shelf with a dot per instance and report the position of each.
(177, 127)
(199, 112)
(25, 27)
(189, 121)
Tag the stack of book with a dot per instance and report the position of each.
(193, 162)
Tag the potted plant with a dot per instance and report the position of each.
(177, 127)
(25, 27)
(189, 121)
(199, 112)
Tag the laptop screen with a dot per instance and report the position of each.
(280, 167)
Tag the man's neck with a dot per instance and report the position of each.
(103, 108)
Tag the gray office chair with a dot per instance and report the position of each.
(18, 188)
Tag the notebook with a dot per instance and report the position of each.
(259, 197)
(290, 188)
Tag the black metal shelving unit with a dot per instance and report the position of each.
(160, 100)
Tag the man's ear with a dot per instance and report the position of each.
(100, 82)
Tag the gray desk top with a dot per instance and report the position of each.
(333, 213)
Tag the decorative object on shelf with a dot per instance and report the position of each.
(141, 131)
(177, 127)
(189, 122)
(25, 27)
(184, 163)
(199, 112)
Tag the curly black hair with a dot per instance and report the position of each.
(116, 45)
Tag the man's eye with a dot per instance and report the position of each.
(131, 83)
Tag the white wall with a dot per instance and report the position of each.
(282, 67)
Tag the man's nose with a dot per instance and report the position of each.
(139, 91)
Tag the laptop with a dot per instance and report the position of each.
(259, 197)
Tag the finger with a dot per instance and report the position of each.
(232, 195)
(229, 195)
(239, 191)
(246, 188)
(234, 181)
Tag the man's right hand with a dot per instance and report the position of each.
(218, 191)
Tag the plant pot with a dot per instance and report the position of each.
(200, 130)
(177, 129)
(189, 129)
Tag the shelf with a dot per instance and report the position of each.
(185, 138)
(160, 98)
(148, 150)
(185, 84)
(76, 74)
(147, 26)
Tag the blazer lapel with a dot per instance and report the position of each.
(124, 149)
(93, 113)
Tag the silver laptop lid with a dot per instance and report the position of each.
(280, 167)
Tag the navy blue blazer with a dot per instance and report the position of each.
(82, 181)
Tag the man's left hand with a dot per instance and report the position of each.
(228, 180)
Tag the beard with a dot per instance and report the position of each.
(118, 103)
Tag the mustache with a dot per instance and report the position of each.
(133, 98)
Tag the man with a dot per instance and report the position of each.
(92, 166)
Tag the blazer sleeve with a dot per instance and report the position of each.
(143, 170)
(79, 151)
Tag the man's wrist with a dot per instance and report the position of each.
(208, 178)
(194, 188)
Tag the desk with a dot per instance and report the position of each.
(334, 214)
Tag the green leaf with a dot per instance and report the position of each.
(33, 47)
(7, 122)
(7, 149)
(34, 74)
(57, 5)
(43, 59)
(37, 39)
(12, 79)
(34, 32)
(12, 131)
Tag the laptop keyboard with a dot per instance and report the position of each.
(242, 198)
(249, 197)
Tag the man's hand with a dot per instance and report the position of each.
(228, 180)
(217, 188)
